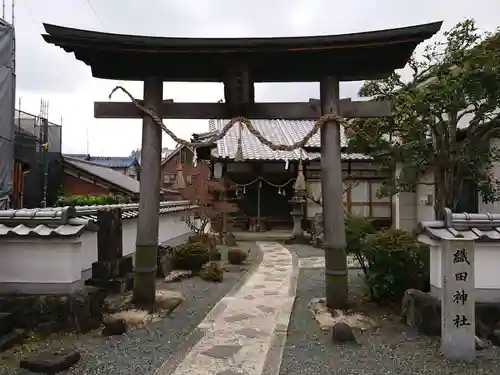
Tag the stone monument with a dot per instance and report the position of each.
(458, 302)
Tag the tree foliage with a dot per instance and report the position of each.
(206, 204)
(444, 116)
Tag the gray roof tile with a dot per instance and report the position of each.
(68, 221)
(278, 132)
(479, 227)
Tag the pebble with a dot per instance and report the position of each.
(395, 350)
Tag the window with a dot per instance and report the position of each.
(361, 199)
(191, 178)
(169, 178)
(187, 156)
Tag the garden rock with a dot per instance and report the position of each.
(495, 337)
(422, 311)
(50, 362)
(177, 275)
(236, 256)
(114, 326)
(168, 300)
(212, 272)
(480, 344)
(343, 333)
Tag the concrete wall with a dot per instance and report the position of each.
(59, 265)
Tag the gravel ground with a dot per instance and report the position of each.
(142, 351)
(394, 349)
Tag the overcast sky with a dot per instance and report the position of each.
(45, 71)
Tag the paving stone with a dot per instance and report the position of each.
(236, 318)
(250, 332)
(270, 293)
(249, 297)
(222, 351)
(260, 286)
(230, 372)
(266, 309)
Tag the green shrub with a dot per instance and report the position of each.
(190, 256)
(236, 256)
(356, 230)
(89, 200)
(396, 262)
(212, 271)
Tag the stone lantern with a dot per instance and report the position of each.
(298, 201)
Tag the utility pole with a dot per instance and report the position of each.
(44, 140)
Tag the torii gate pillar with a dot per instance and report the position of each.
(334, 242)
(149, 201)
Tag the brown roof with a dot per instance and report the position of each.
(354, 56)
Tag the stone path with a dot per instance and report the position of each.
(319, 262)
(241, 329)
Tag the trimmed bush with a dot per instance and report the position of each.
(190, 256)
(236, 256)
(356, 230)
(212, 272)
(396, 262)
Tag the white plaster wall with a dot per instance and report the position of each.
(486, 263)
(88, 252)
(69, 261)
(40, 261)
(170, 226)
(425, 197)
(314, 189)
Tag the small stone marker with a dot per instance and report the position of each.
(458, 302)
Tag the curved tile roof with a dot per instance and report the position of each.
(278, 132)
(292, 59)
(479, 227)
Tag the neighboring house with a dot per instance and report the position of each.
(82, 177)
(412, 207)
(262, 184)
(192, 173)
(127, 165)
(165, 151)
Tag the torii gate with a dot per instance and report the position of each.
(239, 63)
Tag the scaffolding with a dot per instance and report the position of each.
(32, 132)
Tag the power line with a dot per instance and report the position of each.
(94, 11)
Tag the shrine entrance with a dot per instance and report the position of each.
(239, 64)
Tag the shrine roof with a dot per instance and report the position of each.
(278, 132)
(479, 227)
(355, 56)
